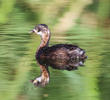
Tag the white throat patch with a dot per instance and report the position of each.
(39, 33)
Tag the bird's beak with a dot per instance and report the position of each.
(33, 31)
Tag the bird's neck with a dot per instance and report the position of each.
(44, 41)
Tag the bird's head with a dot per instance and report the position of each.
(42, 30)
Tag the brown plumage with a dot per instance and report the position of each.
(60, 56)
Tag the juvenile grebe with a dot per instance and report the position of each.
(60, 56)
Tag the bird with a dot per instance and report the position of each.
(59, 56)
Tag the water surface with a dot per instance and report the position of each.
(18, 65)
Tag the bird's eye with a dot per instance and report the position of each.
(39, 30)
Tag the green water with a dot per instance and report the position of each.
(18, 65)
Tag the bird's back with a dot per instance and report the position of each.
(63, 51)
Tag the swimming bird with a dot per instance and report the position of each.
(59, 56)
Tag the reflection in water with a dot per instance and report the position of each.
(60, 56)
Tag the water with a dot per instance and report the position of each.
(18, 65)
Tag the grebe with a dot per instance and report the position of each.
(60, 56)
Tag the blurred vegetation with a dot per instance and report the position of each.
(82, 22)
